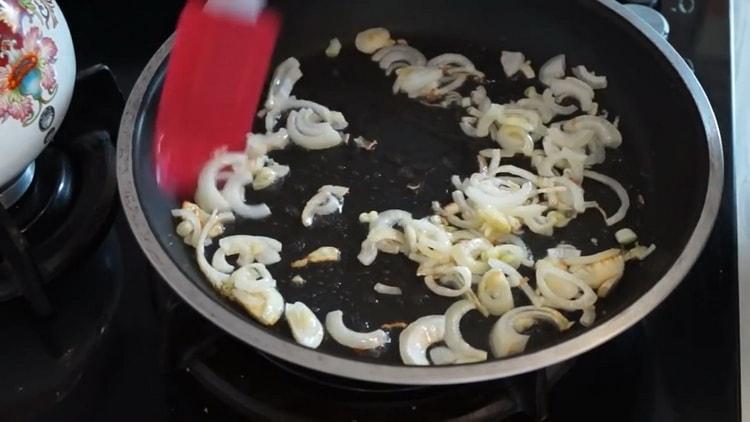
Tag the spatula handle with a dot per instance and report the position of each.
(242, 9)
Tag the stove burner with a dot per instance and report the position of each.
(67, 207)
(12, 191)
(62, 218)
(46, 203)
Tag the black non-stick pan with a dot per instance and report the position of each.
(670, 162)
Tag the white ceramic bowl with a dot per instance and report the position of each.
(37, 74)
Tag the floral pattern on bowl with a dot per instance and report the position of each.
(37, 74)
(27, 73)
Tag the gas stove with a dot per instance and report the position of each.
(89, 332)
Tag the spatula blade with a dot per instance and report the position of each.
(216, 74)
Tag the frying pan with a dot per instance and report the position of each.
(670, 162)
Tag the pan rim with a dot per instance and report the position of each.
(262, 339)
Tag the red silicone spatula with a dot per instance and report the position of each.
(215, 76)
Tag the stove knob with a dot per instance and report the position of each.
(652, 17)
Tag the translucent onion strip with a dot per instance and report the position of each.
(458, 276)
(306, 328)
(453, 337)
(506, 337)
(622, 194)
(352, 339)
(386, 289)
(328, 200)
(216, 277)
(494, 292)
(418, 336)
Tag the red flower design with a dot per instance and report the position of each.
(36, 54)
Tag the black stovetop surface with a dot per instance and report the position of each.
(679, 364)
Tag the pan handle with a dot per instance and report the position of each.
(652, 17)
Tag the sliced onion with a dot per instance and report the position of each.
(381, 235)
(328, 200)
(385, 289)
(512, 62)
(605, 132)
(516, 171)
(264, 250)
(452, 335)
(513, 255)
(355, 340)
(234, 194)
(572, 87)
(494, 293)
(479, 97)
(544, 104)
(442, 355)
(501, 199)
(451, 60)
(427, 238)
(265, 306)
(458, 276)
(466, 253)
(575, 140)
(417, 81)
(398, 56)
(193, 233)
(516, 240)
(591, 259)
(601, 275)
(252, 278)
(594, 81)
(622, 194)
(573, 196)
(552, 70)
(258, 145)
(335, 119)
(514, 277)
(513, 139)
(640, 252)
(527, 70)
(216, 277)
(528, 120)
(563, 252)
(562, 290)
(308, 130)
(306, 328)
(373, 39)
(533, 217)
(625, 236)
(506, 338)
(588, 316)
(282, 82)
(267, 176)
(322, 254)
(368, 252)
(549, 99)
(334, 48)
(219, 261)
(533, 297)
(418, 336)
(207, 194)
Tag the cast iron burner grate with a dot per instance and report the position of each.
(260, 386)
(59, 232)
(66, 210)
